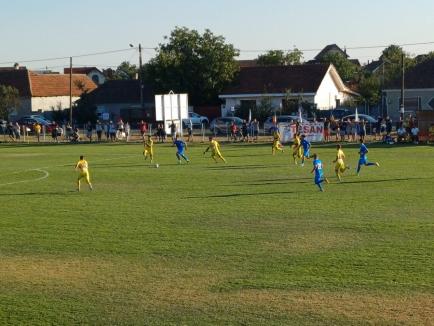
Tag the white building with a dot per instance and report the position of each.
(92, 72)
(39, 93)
(318, 84)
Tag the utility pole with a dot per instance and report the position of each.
(401, 109)
(70, 91)
(142, 106)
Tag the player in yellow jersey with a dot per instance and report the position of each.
(149, 149)
(296, 147)
(340, 164)
(215, 150)
(277, 146)
(83, 168)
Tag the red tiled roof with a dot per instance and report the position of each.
(80, 70)
(30, 84)
(278, 79)
(47, 85)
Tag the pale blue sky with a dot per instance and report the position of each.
(49, 28)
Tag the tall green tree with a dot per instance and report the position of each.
(392, 58)
(280, 58)
(369, 89)
(198, 64)
(346, 69)
(124, 71)
(9, 98)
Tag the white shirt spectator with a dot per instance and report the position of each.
(415, 131)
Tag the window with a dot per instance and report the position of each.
(95, 79)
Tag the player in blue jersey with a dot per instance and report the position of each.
(363, 152)
(318, 170)
(181, 146)
(306, 149)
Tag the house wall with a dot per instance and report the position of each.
(328, 93)
(99, 76)
(44, 104)
(276, 100)
(393, 100)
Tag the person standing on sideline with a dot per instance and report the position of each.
(98, 128)
(89, 131)
(127, 131)
(172, 127)
(83, 168)
(363, 160)
(37, 129)
(143, 128)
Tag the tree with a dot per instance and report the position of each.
(124, 71)
(392, 58)
(346, 69)
(198, 64)
(369, 89)
(9, 98)
(280, 58)
(84, 110)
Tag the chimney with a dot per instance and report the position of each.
(16, 66)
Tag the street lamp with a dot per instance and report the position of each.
(140, 75)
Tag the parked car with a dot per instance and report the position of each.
(196, 120)
(336, 113)
(222, 125)
(30, 122)
(365, 117)
(268, 124)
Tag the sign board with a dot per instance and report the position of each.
(314, 131)
(171, 108)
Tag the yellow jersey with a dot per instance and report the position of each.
(340, 156)
(276, 136)
(149, 143)
(82, 166)
(37, 128)
(297, 142)
(214, 145)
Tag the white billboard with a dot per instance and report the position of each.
(171, 108)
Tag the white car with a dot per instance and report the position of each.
(195, 119)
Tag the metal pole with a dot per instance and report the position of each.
(141, 77)
(402, 87)
(70, 90)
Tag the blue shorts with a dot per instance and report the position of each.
(363, 161)
(180, 153)
(306, 153)
(319, 179)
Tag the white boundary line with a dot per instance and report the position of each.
(46, 175)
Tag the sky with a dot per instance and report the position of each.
(42, 29)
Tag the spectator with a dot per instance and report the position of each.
(244, 132)
(143, 128)
(348, 128)
(402, 134)
(172, 127)
(112, 131)
(234, 131)
(190, 133)
(415, 134)
(89, 130)
(362, 130)
(37, 128)
(68, 133)
(388, 125)
(354, 127)
(326, 130)
(431, 133)
(11, 131)
(127, 131)
(98, 128)
(17, 131)
(75, 137)
(342, 129)
(378, 133)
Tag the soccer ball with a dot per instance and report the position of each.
(157, 165)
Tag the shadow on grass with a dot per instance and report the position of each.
(241, 195)
(379, 180)
(243, 167)
(58, 193)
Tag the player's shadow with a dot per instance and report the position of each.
(58, 193)
(265, 182)
(379, 180)
(242, 167)
(241, 195)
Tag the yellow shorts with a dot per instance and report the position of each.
(296, 152)
(340, 166)
(148, 151)
(84, 175)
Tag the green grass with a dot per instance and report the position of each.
(250, 242)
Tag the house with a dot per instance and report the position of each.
(92, 72)
(332, 49)
(418, 92)
(39, 93)
(121, 98)
(318, 84)
(374, 67)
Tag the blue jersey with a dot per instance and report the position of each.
(305, 144)
(363, 151)
(318, 169)
(180, 145)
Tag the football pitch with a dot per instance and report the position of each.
(250, 242)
